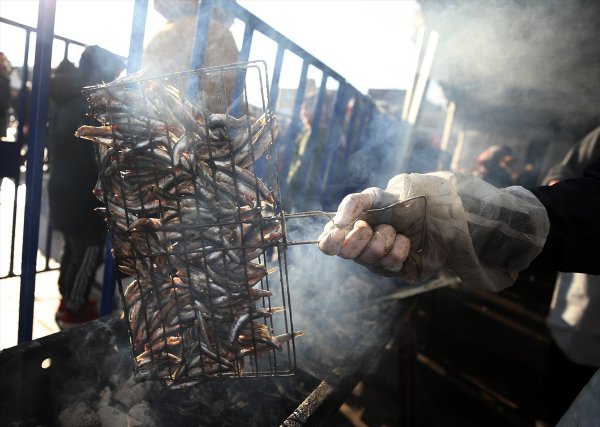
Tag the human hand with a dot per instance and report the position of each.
(378, 247)
(423, 223)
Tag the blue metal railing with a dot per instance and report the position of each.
(322, 155)
(12, 168)
(31, 111)
(35, 157)
(334, 138)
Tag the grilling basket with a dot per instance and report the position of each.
(188, 180)
(191, 200)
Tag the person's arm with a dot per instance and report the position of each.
(484, 234)
(573, 207)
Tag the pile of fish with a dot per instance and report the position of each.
(190, 222)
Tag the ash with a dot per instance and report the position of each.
(121, 403)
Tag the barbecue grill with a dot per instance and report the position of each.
(88, 371)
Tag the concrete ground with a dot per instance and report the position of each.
(47, 296)
(46, 302)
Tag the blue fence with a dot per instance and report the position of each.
(348, 137)
(12, 158)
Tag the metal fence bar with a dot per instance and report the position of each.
(246, 43)
(34, 30)
(21, 114)
(257, 24)
(201, 35)
(35, 158)
(274, 95)
(138, 26)
(22, 117)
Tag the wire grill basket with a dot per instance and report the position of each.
(191, 198)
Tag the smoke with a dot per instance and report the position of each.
(334, 303)
(521, 70)
(515, 44)
(333, 299)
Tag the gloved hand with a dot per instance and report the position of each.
(484, 234)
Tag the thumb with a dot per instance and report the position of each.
(332, 239)
(353, 205)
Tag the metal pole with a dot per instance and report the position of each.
(274, 95)
(201, 35)
(22, 113)
(136, 45)
(35, 158)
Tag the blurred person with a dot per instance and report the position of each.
(527, 176)
(73, 173)
(574, 316)
(5, 93)
(492, 165)
(305, 151)
(21, 95)
(170, 49)
(528, 173)
(484, 234)
(294, 178)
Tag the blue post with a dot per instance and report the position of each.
(21, 118)
(201, 35)
(35, 157)
(246, 43)
(136, 45)
(274, 94)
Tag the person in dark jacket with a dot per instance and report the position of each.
(73, 173)
(574, 315)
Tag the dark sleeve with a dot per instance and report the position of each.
(573, 206)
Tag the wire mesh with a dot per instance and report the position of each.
(189, 182)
